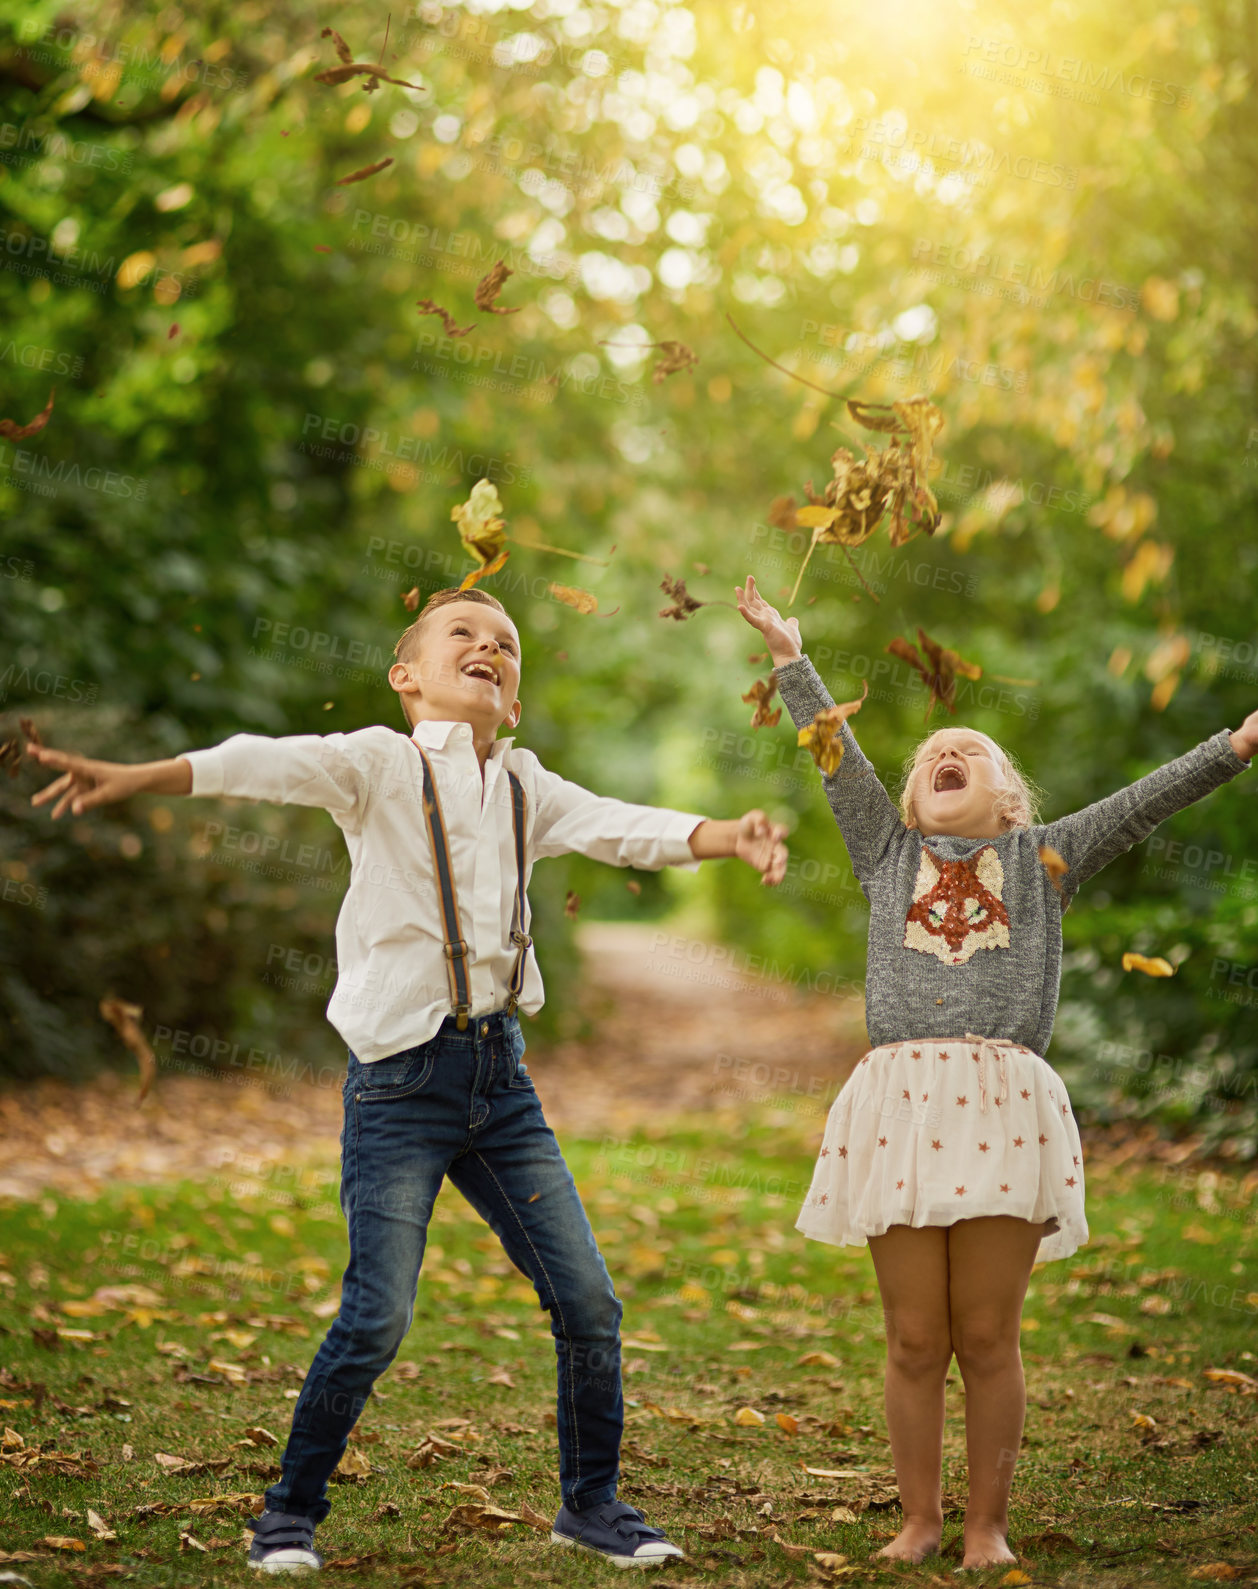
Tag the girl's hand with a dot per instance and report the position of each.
(1245, 739)
(85, 783)
(781, 634)
(759, 842)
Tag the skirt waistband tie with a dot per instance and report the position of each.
(988, 1046)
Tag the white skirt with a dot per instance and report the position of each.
(935, 1131)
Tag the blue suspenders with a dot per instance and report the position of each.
(455, 943)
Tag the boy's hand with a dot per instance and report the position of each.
(1245, 739)
(759, 842)
(781, 634)
(85, 783)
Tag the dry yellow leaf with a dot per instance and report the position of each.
(1231, 1376)
(1053, 864)
(818, 1360)
(584, 601)
(1216, 1569)
(1156, 967)
(749, 1417)
(787, 1424)
(1015, 1576)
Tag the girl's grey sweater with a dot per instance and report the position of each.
(965, 934)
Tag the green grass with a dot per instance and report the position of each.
(723, 1298)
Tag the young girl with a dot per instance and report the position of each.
(952, 1147)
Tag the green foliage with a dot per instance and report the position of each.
(1058, 255)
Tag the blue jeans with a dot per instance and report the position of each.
(461, 1105)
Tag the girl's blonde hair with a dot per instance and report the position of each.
(1017, 805)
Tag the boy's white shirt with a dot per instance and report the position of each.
(392, 989)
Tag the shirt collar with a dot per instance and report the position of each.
(434, 734)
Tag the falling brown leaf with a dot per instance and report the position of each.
(427, 306)
(490, 285)
(686, 604)
(571, 596)
(123, 1018)
(411, 598)
(27, 725)
(676, 356)
(782, 513)
(12, 431)
(482, 529)
(1156, 967)
(823, 736)
(571, 905)
(938, 667)
(1053, 864)
(323, 248)
(11, 756)
(634, 886)
(762, 692)
(365, 172)
(173, 332)
(342, 49)
(477, 574)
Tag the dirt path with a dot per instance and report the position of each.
(676, 1030)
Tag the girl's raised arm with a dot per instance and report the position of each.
(1089, 839)
(867, 818)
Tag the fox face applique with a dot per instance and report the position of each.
(957, 907)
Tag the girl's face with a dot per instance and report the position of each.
(954, 789)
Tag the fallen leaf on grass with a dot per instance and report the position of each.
(124, 1019)
(817, 1360)
(1155, 967)
(489, 286)
(500, 1377)
(62, 1542)
(427, 306)
(1053, 864)
(473, 1515)
(99, 1526)
(762, 692)
(843, 1514)
(1222, 1570)
(749, 1417)
(938, 666)
(823, 736)
(353, 1465)
(364, 172)
(787, 1424)
(260, 1436)
(1015, 1576)
(1233, 1377)
(10, 430)
(835, 1473)
(188, 1542)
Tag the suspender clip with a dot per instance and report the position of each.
(460, 1017)
(521, 939)
(456, 950)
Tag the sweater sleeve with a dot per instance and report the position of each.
(1090, 839)
(867, 819)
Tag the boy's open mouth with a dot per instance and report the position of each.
(949, 776)
(481, 670)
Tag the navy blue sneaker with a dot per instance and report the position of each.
(283, 1543)
(618, 1533)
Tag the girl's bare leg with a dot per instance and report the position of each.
(989, 1265)
(912, 1269)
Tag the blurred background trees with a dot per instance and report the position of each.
(1042, 219)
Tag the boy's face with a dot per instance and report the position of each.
(466, 669)
(955, 787)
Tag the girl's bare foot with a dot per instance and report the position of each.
(918, 1539)
(986, 1546)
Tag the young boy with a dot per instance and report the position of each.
(442, 829)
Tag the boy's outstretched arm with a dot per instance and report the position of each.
(332, 771)
(751, 837)
(86, 783)
(1089, 839)
(867, 819)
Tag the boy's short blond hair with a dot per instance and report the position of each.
(408, 641)
(1017, 805)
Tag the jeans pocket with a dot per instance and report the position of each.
(519, 1079)
(397, 1076)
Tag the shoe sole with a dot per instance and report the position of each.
(557, 1538)
(286, 1561)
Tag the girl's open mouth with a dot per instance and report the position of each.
(948, 777)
